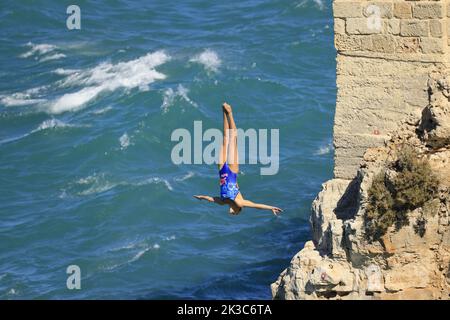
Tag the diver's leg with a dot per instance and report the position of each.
(233, 153)
(223, 151)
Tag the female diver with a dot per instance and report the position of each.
(228, 171)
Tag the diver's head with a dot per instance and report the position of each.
(234, 208)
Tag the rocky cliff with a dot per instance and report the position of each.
(380, 228)
(410, 261)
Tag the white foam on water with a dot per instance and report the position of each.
(105, 77)
(144, 251)
(155, 180)
(108, 77)
(128, 246)
(182, 92)
(102, 110)
(55, 56)
(74, 101)
(141, 247)
(170, 238)
(124, 141)
(47, 124)
(50, 124)
(324, 149)
(97, 183)
(19, 99)
(63, 194)
(28, 97)
(171, 95)
(187, 176)
(36, 90)
(139, 255)
(209, 59)
(163, 181)
(65, 72)
(38, 49)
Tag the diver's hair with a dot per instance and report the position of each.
(240, 208)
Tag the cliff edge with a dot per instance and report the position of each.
(381, 227)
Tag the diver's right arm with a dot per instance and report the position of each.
(210, 199)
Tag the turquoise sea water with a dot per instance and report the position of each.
(86, 116)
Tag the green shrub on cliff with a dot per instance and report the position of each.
(391, 197)
(379, 213)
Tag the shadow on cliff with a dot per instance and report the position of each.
(347, 206)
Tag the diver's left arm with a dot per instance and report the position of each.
(250, 204)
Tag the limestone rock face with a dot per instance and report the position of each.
(435, 123)
(406, 263)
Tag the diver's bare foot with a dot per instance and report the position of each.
(227, 108)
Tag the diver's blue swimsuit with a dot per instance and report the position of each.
(228, 183)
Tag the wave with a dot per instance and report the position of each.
(52, 123)
(98, 183)
(19, 99)
(65, 72)
(43, 52)
(47, 124)
(143, 248)
(144, 251)
(55, 56)
(38, 49)
(102, 110)
(187, 176)
(209, 59)
(28, 97)
(155, 180)
(138, 255)
(170, 96)
(107, 77)
(124, 141)
(74, 101)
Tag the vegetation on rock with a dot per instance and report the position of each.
(407, 184)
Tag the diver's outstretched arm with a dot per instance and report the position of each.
(216, 200)
(250, 204)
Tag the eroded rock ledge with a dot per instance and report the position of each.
(341, 263)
